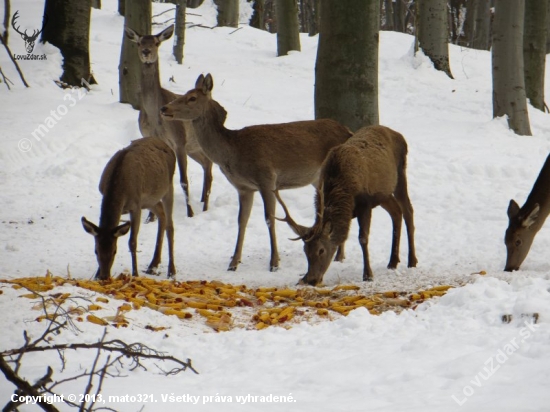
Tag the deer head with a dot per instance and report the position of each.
(148, 45)
(520, 234)
(29, 40)
(105, 245)
(318, 247)
(193, 103)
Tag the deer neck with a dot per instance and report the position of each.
(112, 207)
(151, 95)
(338, 210)
(540, 193)
(214, 139)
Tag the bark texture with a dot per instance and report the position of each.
(288, 28)
(534, 50)
(228, 12)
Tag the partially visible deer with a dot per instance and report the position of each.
(525, 222)
(260, 158)
(29, 40)
(137, 177)
(178, 135)
(366, 171)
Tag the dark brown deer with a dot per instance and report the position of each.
(29, 40)
(178, 135)
(525, 222)
(260, 158)
(137, 177)
(366, 171)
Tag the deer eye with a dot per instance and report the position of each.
(321, 252)
(192, 99)
(518, 242)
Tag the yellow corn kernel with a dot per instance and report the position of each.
(261, 325)
(286, 293)
(96, 320)
(94, 307)
(322, 312)
(102, 300)
(346, 287)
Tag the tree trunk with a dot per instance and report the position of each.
(137, 17)
(121, 7)
(257, 19)
(270, 16)
(432, 32)
(346, 70)
(193, 4)
(228, 12)
(534, 50)
(388, 15)
(288, 30)
(179, 35)
(68, 28)
(399, 11)
(482, 19)
(509, 97)
(96, 4)
(7, 16)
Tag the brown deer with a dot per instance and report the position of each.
(178, 135)
(137, 177)
(366, 171)
(525, 222)
(260, 158)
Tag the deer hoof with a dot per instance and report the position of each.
(274, 268)
(150, 218)
(232, 269)
(367, 278)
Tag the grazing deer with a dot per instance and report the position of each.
(29, 40)
(366, 171)
(137, 177)
(178, 135)
(260, 158)
(525, 222)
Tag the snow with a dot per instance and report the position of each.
(463, 168)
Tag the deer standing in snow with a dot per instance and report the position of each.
(137, 177)
(260, 158)
(525, 222)
(366, 171)
(178, 135)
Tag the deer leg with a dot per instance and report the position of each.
(270, 201)
(168, 204)
(364, 218)
(245, 206)
(340, 253)
(207, 184)
(135, 217)
(402, 196)
(158, 210)
(392, 207)
(181, 156)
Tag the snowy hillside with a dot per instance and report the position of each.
(463, 168)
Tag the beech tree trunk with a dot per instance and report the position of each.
(137, 17)
(68, 28)
(179, 34)
(534, 50)
(509, 98)
(228, 12)
(346, 70)
(433, 32)
(288, 28)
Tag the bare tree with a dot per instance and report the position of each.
(432, 33)
(257, 19)
(137, 16)
(509, 98)
(228, 12)
(346, 70)
(534, 50)
(7, 12)
(288, 29)
(179, 35)
(68, 28)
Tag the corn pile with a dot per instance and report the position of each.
(217, 302)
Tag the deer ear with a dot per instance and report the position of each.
(208, 84)
(165, 34)
(327, 229)
(89, 227)
(121, 230)
(532, 217)
(132, 35)
(513, 209)
(199, 82)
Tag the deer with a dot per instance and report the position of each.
(262, 158)
(136, 177)
(29, 40)
(366, 171)
(178, 135)
(525, 222)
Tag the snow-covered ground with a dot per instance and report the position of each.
(454, 353)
